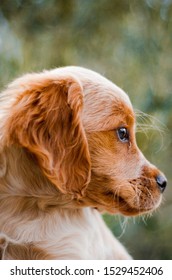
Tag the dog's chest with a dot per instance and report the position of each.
(68, 237)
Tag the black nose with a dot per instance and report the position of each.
(162, 182)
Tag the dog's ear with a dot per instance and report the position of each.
(46, 119)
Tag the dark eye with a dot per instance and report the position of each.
(123, 134)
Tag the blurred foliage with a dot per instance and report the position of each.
(130, 42)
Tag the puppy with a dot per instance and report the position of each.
(67, 153)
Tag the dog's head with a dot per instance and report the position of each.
(80, 127)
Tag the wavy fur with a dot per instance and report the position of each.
(62, 162)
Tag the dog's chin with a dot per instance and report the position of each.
(129, 208)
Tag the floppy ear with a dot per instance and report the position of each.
(46, 120)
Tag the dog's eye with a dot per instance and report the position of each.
(123, 134)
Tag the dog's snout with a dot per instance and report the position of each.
(161, 182)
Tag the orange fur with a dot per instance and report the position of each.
(16, 251)
(37, 122)
(62, 161)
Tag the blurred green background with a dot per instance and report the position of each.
(130, 42)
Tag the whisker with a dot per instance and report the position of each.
(123, 221)
(149, 121)
(144, 219)
(151, 197)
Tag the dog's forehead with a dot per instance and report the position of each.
(105, 105)
(105, 109)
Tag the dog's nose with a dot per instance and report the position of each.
(161, 182)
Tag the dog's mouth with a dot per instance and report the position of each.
(134, 199)
(130, 197)
(129, 208)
